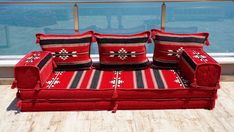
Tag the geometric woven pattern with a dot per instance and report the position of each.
(98, 79)
(169, 46)
(123, 51)
(68, 50)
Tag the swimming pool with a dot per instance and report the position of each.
(20, 23)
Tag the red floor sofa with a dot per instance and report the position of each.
(62, 77)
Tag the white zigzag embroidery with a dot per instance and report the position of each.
(180, 80)
(54, 80)
(175, 52)
(64, 54)
(117, 80)
(199, 56)
(33, 58)
(122, 54)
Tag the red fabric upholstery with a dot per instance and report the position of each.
(64, 106)
(119, 105)
(199, 68)
(33, 70)
(69, 51)
(115, 90)
(108, 94)
(132, 85)
(122, 51)
(96, 83)
(169, 46)
(139, 84)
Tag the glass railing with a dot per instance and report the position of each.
(21, 20)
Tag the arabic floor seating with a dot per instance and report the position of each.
(62, 77)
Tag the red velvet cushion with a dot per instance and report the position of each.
(123, 51)
(33, 70)
(69, 51)
(74, 105)
(169, 46)
(199, 68)
(94, 84)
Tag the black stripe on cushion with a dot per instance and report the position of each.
(95, 79)
(158, 79)
(181, 39)
(125, 66)
(44, 61)
(166, 64)
(76, 79)
(139, 79)
(122, 40)
(65, 41)
(72, 67)
(189, 60)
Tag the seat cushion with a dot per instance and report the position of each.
(70, 51)
(98, 84)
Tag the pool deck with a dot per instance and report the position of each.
(220, 119)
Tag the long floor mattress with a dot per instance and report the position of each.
(111, 90)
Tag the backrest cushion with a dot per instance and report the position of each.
(169, 46)
(69, 51)
(122, 51)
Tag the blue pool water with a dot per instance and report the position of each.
(20, 23)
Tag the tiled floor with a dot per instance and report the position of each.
(220, 119)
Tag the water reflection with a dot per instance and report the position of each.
(20, 23)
